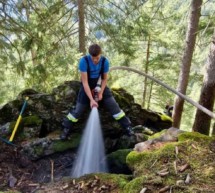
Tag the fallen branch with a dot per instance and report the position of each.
(197, 105)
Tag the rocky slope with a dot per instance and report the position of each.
(39, 156)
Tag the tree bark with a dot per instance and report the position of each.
(186, 60)
(213, 129)
(203, 121)
(146, 71)
(81, 23)
(150, 93)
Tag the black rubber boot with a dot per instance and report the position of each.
(65, 134)
(67, 128)
(126, 124)
(129, 131)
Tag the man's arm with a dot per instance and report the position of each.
(104, 82)
(103, 85)
(84, 79)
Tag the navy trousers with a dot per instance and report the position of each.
(83, 103)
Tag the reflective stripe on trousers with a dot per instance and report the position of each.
(119, 115)
(71, 118)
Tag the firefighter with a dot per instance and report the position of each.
(94, 73)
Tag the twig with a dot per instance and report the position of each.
(52, 170)
(188, 178)
(163, 172)
(164, 189)
(175, 167)
(184, 167)
(153, 164)
(170, 191)
(20, 181)
(143, 190)
(176, 152)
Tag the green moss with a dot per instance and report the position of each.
(120, 180)
(193, 149)
(31, 120)
(120, 155)
(165, 117)
(117, 159)
(148, 157)
(194, 136)
(135, 186)
(59, 146)
(123, 101)
(157, 135)
(26, 121)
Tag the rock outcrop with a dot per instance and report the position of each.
(41, 124)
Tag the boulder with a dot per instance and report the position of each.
(44, 114)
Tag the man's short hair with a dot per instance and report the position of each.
(95, 50)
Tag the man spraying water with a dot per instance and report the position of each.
(94, 72)
(93, 67)
(91, 152)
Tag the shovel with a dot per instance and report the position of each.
(16, 125)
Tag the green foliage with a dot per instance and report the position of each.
(39, 46)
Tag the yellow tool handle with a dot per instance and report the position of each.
(15, 128)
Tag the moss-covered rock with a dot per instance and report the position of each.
(195, 136)
(157, 135)
(73, 142)
(183, 166)
(137, 184)
(29, 127)
(117, 161)
(38, 148)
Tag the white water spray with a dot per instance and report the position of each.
(91, 152)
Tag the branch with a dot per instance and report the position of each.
(197, 105)
(12, 44)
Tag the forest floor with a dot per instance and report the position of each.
(190, 169)
(17, 172)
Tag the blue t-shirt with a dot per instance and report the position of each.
(95, 69)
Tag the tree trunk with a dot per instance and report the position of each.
(186, 60)
(81, 23)
(146, 71)
(202, 121)
(213, 129)
(150, 93)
